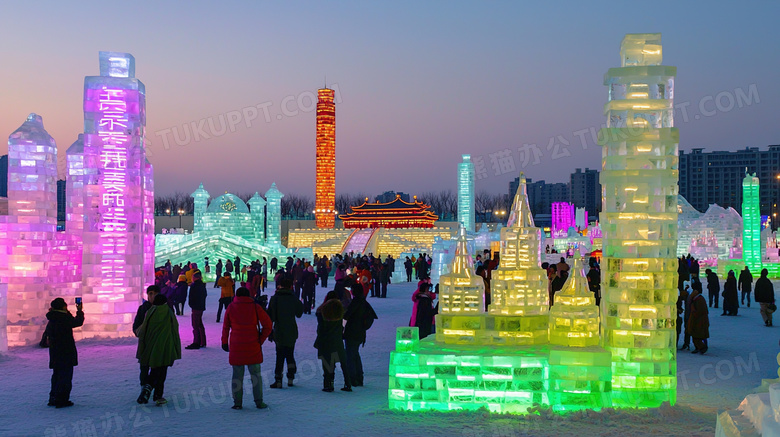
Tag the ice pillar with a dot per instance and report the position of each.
(257, 210)
(325, 193)
(751, 223)
(116, 198)
(30, 229)
(273, 234)
(519, 286)
(200, 203)
(466, 193)
(639, 223)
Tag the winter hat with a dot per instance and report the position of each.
(310, 269)
(182, 278)
(58, 304)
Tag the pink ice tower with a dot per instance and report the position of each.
(118, 240)
(27, 232)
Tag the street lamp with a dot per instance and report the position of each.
(181, 212)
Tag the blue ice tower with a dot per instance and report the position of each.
(273, 232)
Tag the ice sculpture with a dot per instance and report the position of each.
(461, 291)
(574, 316)
(117, 198)
(705, 249)
(29, 230)
(519, 285)
(273, 234)
(499, 360)
(563, 218)
(466, 193)
(639, 223)
(200, 201)
(581, 218)
(257, 209)
(225, 228)
(751, 223)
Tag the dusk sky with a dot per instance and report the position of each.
(419, 83)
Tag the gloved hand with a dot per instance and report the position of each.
(271, 337)
(225, 348)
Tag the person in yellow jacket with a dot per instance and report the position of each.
(188, 274)
(228, 286)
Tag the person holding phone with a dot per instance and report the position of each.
(63, 356)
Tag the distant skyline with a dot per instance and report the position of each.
(417, 84)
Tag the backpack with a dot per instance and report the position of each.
(368, 317)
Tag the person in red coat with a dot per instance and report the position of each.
(244, 344)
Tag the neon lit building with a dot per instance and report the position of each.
(466, 193)
(639, 223)
(325, 193)
(118, 227)
(563, 217)
(751, 223)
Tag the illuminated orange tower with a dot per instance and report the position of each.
(325, 196)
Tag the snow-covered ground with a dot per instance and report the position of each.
(741, 352)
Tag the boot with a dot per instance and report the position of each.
(346, 388)
(143, 398)
(328, 384)
(289, 382)
(277, 383)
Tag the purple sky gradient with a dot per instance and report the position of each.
(420, 82)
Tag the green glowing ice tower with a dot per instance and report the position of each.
(751, 223)
(639, 222)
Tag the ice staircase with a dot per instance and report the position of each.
(358, 241)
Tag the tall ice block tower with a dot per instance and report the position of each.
(639, 223)
(325, 194)
(519, 285)
(751, 224)
(466, 193)
(28, 230)
(117, 198)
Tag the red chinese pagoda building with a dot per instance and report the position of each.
(395, 214)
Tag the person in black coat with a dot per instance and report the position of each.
(283, 309)
(308, 288)
(713, 287)
(557, 282)
(425, 312)
(219, 273)
(197, 302)
(765, 296)
(151, 292)
(62, 350)
(330, 343)
(408, 267)
(730, 296)
(745, 284)
(359, 315)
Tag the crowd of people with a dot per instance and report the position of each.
(693, 307)
(343, 317)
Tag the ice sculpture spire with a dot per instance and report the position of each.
(273, 234)
(574, 317)
(257, 210)
(325, 193)
(462, 291)
(200, 203)
(639, 222)
(521, 211)
(519, 286)
(466, 193)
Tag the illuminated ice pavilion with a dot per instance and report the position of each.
(225, 228)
